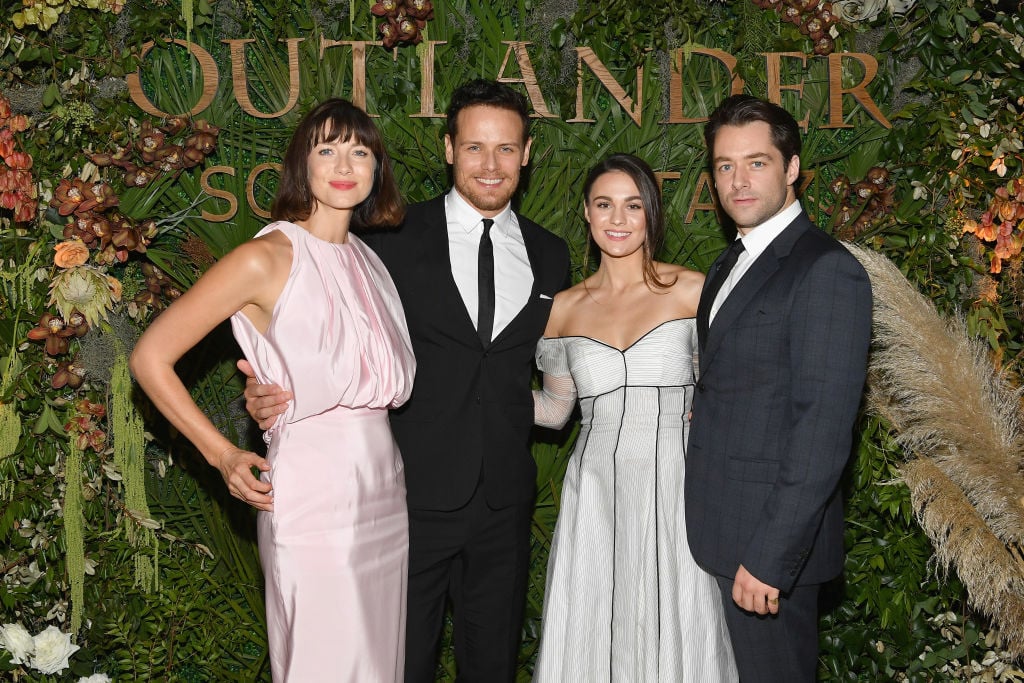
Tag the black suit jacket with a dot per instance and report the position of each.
(781, 377)
(471, 410)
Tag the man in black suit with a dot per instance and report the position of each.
(784, 325)
(476, 280)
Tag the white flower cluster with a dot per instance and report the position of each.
(47, 652)
(866, 10)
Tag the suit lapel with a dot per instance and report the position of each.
(751, 284)
(704, 306)
(535, 258)
(437, 254)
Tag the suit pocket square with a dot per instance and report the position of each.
(545, 296)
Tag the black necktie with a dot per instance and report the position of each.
(485, 284)
(707, 298)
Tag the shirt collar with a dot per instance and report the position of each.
(462, 216)
(758, 239)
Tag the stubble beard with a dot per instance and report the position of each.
(487, 201)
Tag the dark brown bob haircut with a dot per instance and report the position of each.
(650, 196)
(333, 120)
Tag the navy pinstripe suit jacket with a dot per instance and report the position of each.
(781, 376)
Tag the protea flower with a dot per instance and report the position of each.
(84, 289)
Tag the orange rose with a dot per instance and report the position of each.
(70, 254)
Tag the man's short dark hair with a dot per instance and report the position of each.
(739, 110)
(491, 94)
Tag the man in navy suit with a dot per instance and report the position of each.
(784, 325)
(476, 280)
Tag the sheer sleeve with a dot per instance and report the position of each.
(553, 404)
(695, 347)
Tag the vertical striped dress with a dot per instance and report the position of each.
(625, 601)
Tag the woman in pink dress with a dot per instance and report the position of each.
(314, 311)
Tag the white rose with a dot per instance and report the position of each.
(53, 648)
(16, 640)
(95, 678)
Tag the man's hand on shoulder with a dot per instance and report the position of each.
(264, 402)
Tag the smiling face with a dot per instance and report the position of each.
(340, 174)
(752, 179)
(486, 156)
(615, 211)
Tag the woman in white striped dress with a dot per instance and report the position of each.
(625, 600)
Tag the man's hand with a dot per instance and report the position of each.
(753, 595)
(236, 467)
(264, 402)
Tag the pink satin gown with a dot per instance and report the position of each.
(335, 549)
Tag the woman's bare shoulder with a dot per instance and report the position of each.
(685, 287)
(680, 274)
(565, 305)
(263, 256)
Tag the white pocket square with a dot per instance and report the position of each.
(545, 296)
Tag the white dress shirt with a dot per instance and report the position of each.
(513, 276)
(754, 243)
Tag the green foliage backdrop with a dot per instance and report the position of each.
(949, 81)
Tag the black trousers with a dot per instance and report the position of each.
(779, 648)
(478, 558)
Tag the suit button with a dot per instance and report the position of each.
(700, 387)
(478, 400)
